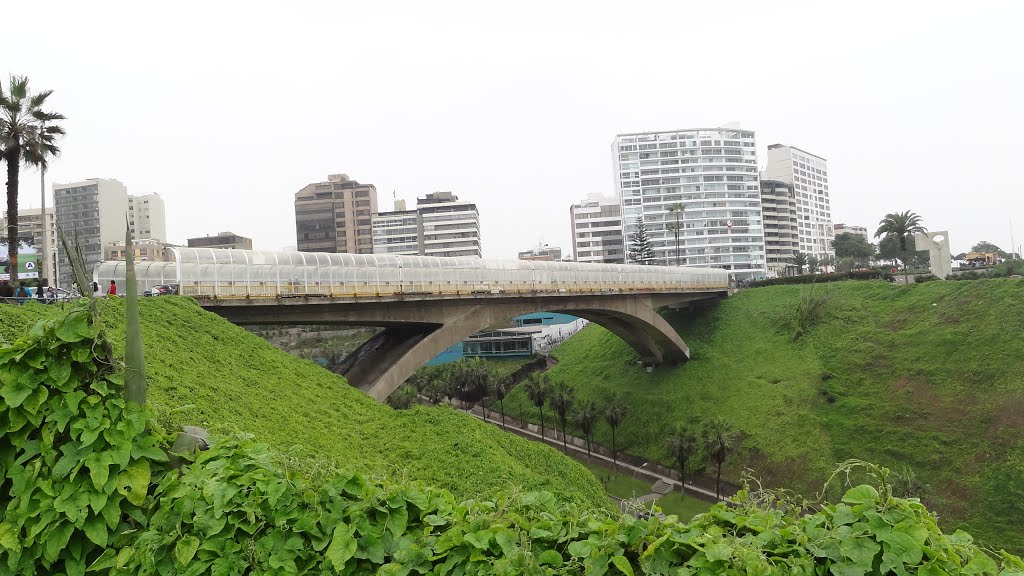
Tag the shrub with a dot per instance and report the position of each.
(819, 278)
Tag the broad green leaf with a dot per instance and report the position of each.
(862, 494)
(96, 530)
(581, 548)
(9, 536)
(720, 551)
(14, 392)
(981, 564)
(75, 327)
(860, 550)
(342, 547)
(849, 569)
(185, 549)
(550, 557)
(133, 482)
(623, 565)
(903, 547)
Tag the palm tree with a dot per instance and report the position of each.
(502, 386)
(676, 226)
(901, 225)
(586, 418)
(681, 444)
(719, 440)
(537, 386)
(812, 264)
(562, 399)
(614, 413)
(799, 260)
(27, 135)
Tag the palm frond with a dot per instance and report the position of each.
(39, 98)
(19, 88)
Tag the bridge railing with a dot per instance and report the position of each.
(208, 273)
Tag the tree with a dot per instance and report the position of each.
(988, 247)
(719, 440)
(586, 417)
(640, 250)
(403, 397)
(28, 136)
(812, 264)
(799, 260)
(470, 381)
(537, 387)
(677, 226)
(853, 246)
(502, 386)
(562, 399)
(901, 226)
(681, 444)
(614, 413)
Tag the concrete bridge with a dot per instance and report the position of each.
(418, 328)
(426, 304)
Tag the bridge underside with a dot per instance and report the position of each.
(417, 330)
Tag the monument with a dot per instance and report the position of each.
(937, 244)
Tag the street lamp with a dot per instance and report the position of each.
(642, 466)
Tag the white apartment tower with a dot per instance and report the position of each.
(93, 213)
(441, 225)
(147, 218)
(596, 225)
(809, 176)
(711, 176)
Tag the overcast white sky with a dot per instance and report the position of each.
(226, 109)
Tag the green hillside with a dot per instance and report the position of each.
(929, 376)
(205, 371)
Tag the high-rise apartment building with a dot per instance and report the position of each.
(224, 240)
(335, 216)
(91, 212)
(542, 253)
(855, 230)
(31, 224)
(596, 225)
(781, 236)
(147, 217)
(441, 225)
(808, 174)
(710, 176)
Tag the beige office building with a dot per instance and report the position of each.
(30, 223)
(147, 217)
(335, 216)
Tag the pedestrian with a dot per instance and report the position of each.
(40, 295)
(22, 294)
(6, 291)
(112, 290)
(96, 292)
(51, 295)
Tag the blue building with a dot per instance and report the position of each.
(517, 342)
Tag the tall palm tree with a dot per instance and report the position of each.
(614, 413)
(562, 399)
(28, 136)
(676, 226)
(681, 444)
(719, 441)
(537, 387)
(502, 386)
(901, 225)
(799, 260)
(586, 417)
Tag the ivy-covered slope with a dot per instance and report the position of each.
(205, 371)
(929, 377)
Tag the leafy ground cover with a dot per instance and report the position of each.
(926, 377)
(204, 371)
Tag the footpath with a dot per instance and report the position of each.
(662, 485)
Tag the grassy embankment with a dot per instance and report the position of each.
(928, 376)
(204, 371)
